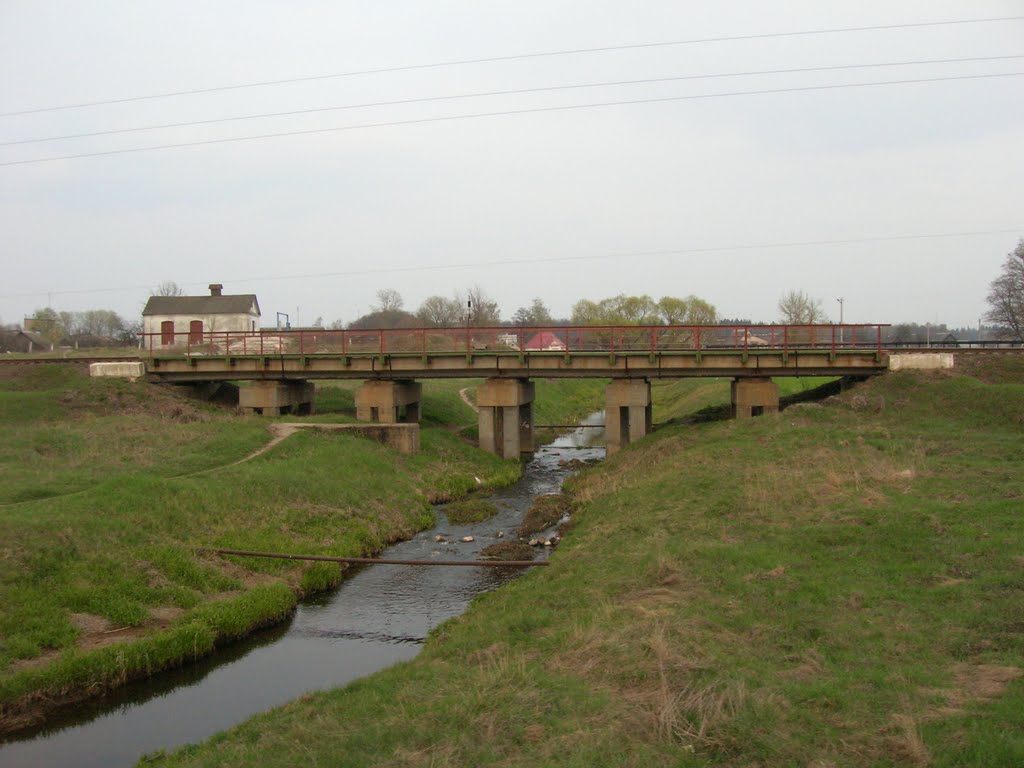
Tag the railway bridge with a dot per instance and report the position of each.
(283, 363)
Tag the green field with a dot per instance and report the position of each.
(841, 584)
(108, 488)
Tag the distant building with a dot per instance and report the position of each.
(545, 341)
(180, 319)
(23, 341)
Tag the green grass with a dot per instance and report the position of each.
(830, 586)
(106, 516)
(110, 519)
(64, 433)
(470, 511)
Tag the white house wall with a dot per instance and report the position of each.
(211, 323)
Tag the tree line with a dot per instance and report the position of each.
(475, 308)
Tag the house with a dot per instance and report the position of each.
(179, 319)
(545, 341)
(18, 340)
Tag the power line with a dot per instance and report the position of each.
(517, 91)
(510, 57)
(503, 113)
(556, 259)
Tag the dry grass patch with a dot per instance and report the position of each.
(545, 512)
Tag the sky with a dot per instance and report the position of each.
(733, 198)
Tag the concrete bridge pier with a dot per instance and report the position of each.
(627, 412)
(389, 402)
(272, 398)
(506, 417)
(753, 397)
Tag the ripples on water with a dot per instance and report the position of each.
(379, 616)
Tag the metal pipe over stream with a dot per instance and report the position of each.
(381, 561)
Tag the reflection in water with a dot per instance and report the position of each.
(379, 616)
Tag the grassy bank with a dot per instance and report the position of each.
(100, 580)
(831, 586)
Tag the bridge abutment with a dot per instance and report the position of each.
(627, 412)
(389, 402)
(506, 417)
(753, 397)
(272, 398)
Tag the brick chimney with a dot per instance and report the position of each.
(216, 289)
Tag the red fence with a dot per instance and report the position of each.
(561, 339)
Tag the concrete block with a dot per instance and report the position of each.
(500, 393)
(505, 412)
(272, 398)
(122, 369)
(627, 412)
(751, 396)
(389, 402)
(921, 361)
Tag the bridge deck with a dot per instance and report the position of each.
(554, 352)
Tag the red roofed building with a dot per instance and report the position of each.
(545, 341)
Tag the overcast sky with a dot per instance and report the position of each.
(577, 197)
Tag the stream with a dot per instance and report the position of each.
(379, 616)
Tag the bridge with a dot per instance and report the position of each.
(283, 363)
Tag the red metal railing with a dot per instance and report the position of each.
(553, 339)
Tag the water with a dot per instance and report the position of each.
(377, 617)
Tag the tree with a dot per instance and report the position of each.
(1006, 294)
(483, 311)
(617, 310)
(388, 300)
(688, 311)
(643, 310)
(439, 312)
(168, 288)
(48, 323)
(536, 314)
(798, 308)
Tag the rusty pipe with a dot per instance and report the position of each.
(379, 561)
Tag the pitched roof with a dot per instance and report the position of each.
(202, 305)
(544, 340)
(35, 338)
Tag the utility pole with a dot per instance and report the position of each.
(841, 300)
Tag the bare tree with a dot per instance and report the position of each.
(168, 288)
(1006, 294)
(439, 312)
(483, 311)
(798, 308)
(388, 300)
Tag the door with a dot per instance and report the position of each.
(195, 332)
(167, 333)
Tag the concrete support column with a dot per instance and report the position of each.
(754, 396)
(506, 417)
(272, 398)
(389, 402)
(627, 412)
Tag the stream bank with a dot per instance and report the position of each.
(377, 617)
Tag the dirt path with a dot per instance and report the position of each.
(466, 400)
(279, 432)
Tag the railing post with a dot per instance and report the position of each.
(785, 339)
(833, 339)
(878, 331)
